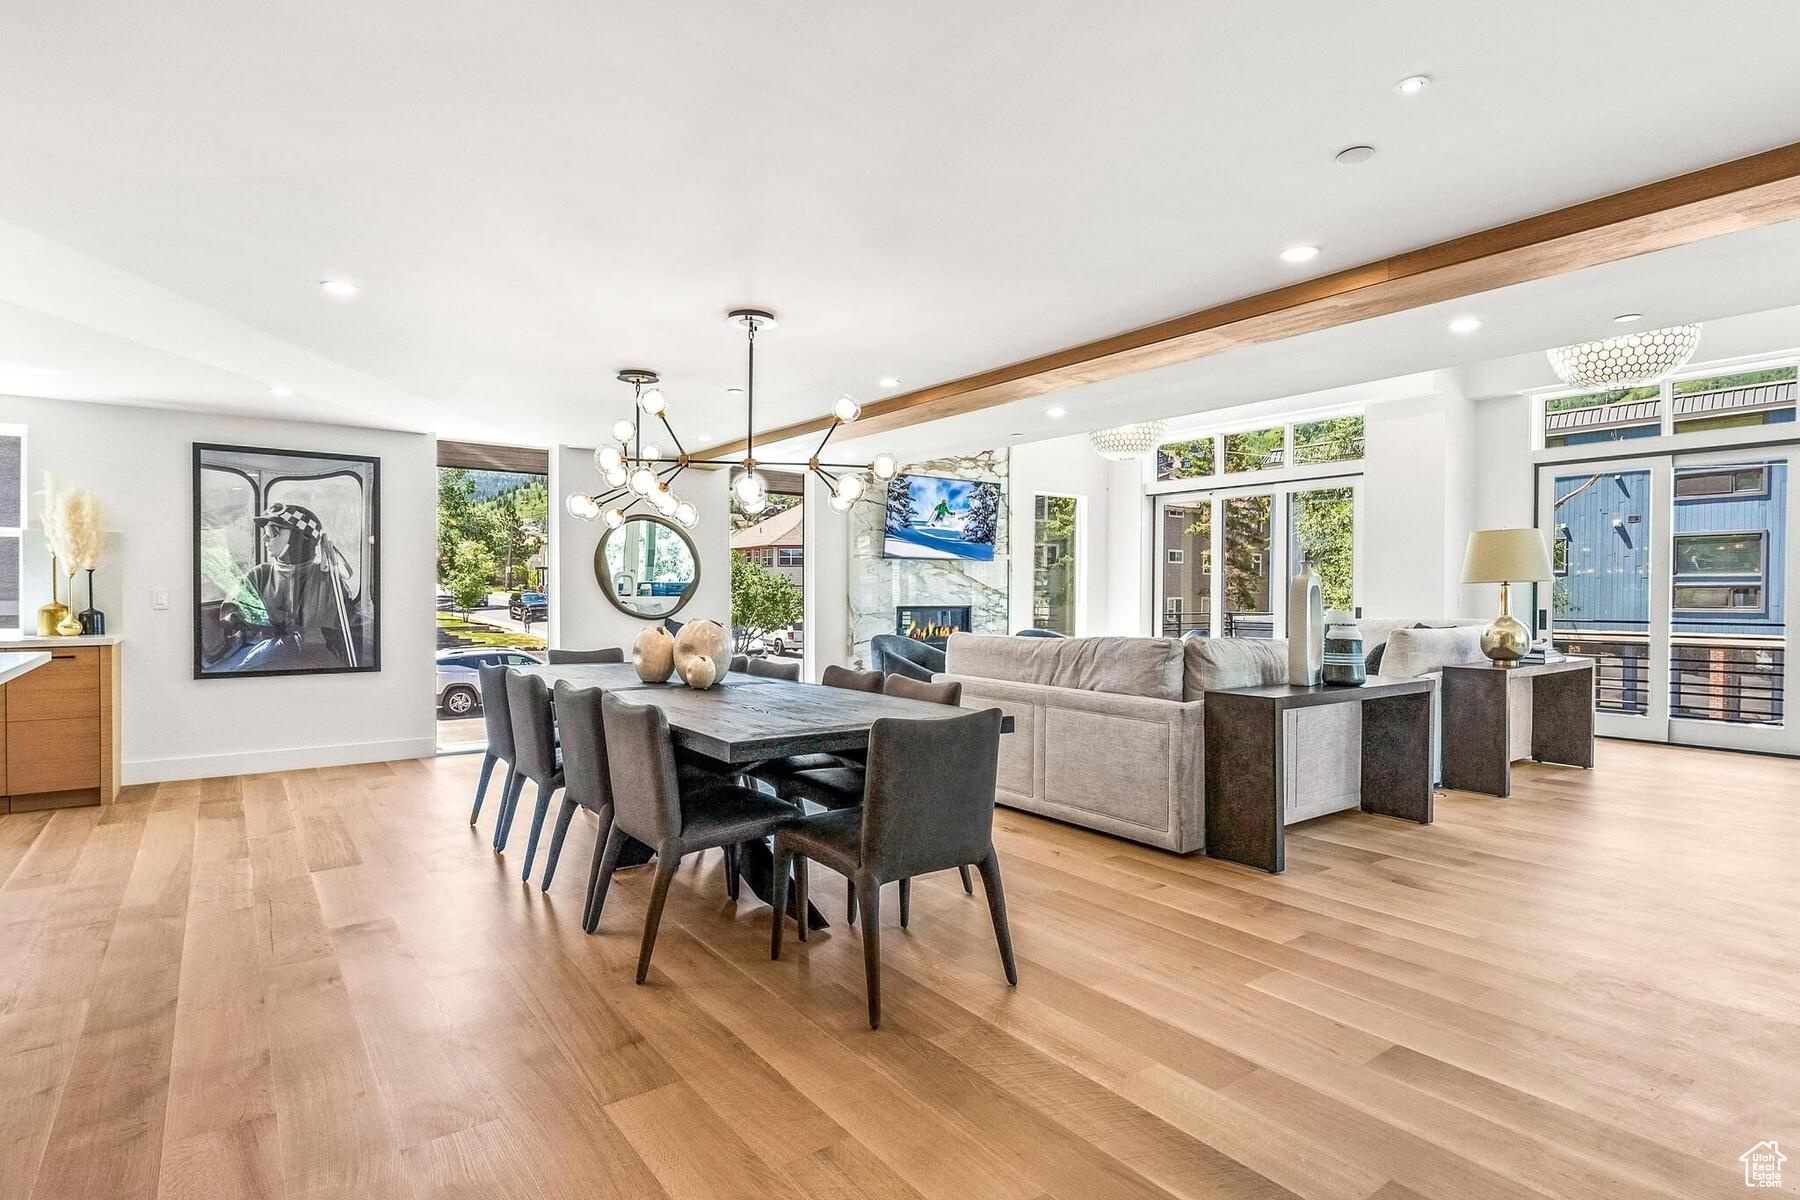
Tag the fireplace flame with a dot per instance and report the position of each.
(929, 630)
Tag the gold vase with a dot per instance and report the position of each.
(54, 613)
(70, 624)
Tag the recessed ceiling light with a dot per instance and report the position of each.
(1056, 412)
(1299, 254)
(1349, 156)
(887, 381)
(1412, 85)
(1628, 318)
(281, 392)
(343, 289)
(1465, 325)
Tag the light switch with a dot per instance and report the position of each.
(159, 598)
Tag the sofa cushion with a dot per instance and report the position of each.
(1216, 664)
(1130, 666)
(1415, 652)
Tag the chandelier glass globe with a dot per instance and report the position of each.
(686, 515)
(643, 481)
(581, 506)
(884, 467)
(623, 430)
(846, 409)
(1630, 360)
(752, 492)
(664, 502)
(850, 487)
(650, 450)
(608, 459)
(613, 517)
(1125, 442)
(653, 402)
(841, 504)
(616, 477)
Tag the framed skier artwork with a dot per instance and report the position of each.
(287, 562)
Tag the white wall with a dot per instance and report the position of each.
(1418, 502)
(581, 618)
(139, 461)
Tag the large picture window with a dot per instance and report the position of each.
(1053, 571)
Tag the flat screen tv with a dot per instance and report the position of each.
(929, 517)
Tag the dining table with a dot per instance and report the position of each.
(743, 720)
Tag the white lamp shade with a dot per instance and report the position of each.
(1506, 556)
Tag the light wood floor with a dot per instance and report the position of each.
(325, 984)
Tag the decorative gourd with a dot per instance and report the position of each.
(700, 674)
(653, 654)
(702, 639)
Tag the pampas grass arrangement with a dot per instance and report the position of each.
(74, 529)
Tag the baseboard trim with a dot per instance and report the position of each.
(257, 762)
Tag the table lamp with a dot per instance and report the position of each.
(1506, 556)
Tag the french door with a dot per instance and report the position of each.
(1224, 557)
(1673, 571)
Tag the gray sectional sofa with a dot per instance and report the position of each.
(1108, 731)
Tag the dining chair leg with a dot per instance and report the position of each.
(905, 902)
(509, 804)
(868, 895)
(850, 890)
(540, 811)
(800, 910)
(487, 771)
(659, 892)
(968, 884)
(615, 837)
(990, 879)
(778, 894)
(593, 886)
(556, 838)
(731, 873)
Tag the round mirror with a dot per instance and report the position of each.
(647, 567)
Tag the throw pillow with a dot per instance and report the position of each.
(1372, 663)
(1415, 652)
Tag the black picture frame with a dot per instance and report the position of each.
(262, 468)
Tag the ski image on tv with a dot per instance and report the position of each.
(929, 517)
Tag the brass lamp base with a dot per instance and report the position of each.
(1506, 641)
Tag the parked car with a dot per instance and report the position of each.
(458, 684)
(785, 641)
(528, 606)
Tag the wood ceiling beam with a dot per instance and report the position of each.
(1747, 193)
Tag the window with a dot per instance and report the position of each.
(1691, 598)
(1322, 534)
(789, 556)
(1172, 606)
(1707, 484)
(12, 522)
(1187, 567)
(1603, 416)
(1256, 450)
(1053, 572)
(1177, 557)
(1192, 459)
(1334, 439)
(1718, 554)
(1734, 401)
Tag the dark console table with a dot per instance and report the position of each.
(1246, 732)
(1483, 703)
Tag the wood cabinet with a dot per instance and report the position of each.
(59, 729)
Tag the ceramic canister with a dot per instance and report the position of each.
(1344, 656)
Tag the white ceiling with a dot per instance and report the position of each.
(533, 195)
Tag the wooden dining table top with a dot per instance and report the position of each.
(750, 718)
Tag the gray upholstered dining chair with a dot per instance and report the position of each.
(775, 668)
(498, 718)
(948, 692)
(586, 781)
(650, 804)
(611, 654)
(739, 663)
(928, 806)
(534, 743)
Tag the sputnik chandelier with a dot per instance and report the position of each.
(638, 472)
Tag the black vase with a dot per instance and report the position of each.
(1344, 664)
(93, 621)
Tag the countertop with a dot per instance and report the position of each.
(16, 663)
(21, 641)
